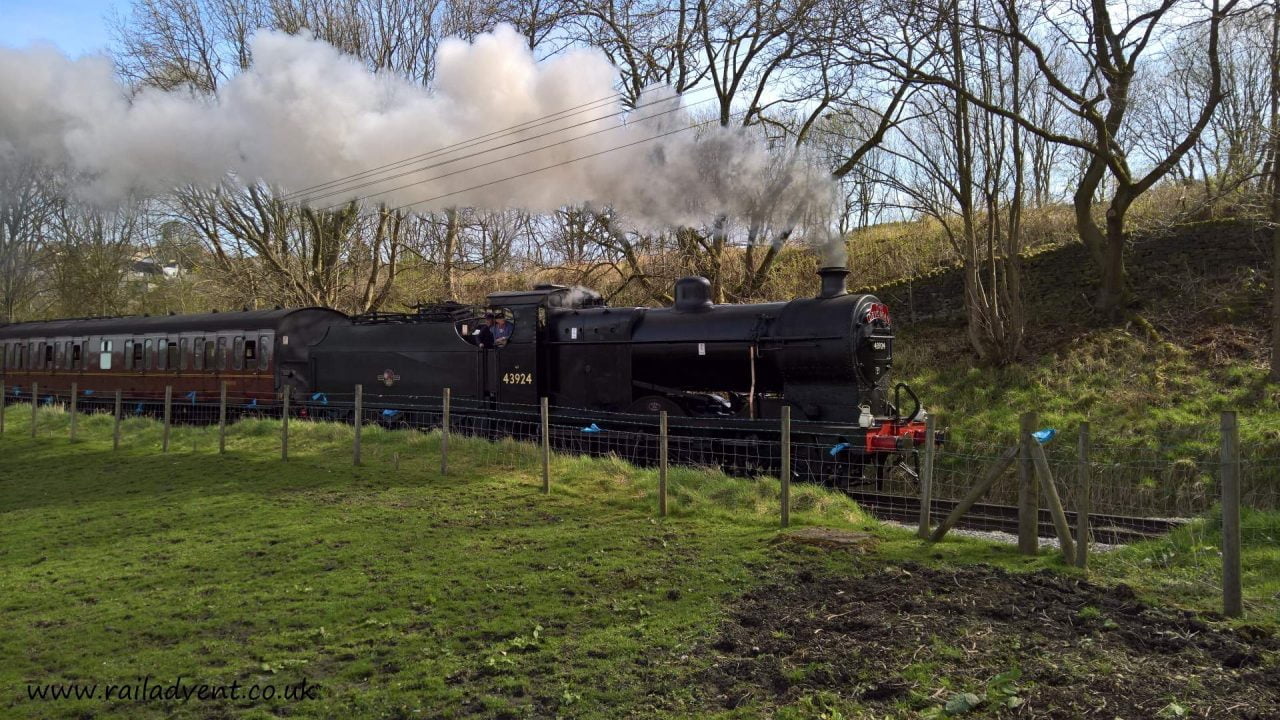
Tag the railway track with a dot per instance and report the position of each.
(1108, 529)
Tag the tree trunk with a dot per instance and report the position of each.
(448, 251)
(1112, 291)
(1275, 191)
(1275, 257)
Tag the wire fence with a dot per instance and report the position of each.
(1174, 478)
(1184, 474)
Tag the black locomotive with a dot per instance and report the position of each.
(721, 372)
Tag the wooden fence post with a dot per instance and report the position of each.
(115, 428)
(4, 397)
(358, 419)
(74, 391)
(168, 417)
(35, 405)
(1083, 499)
(662, 464)
(284, 424)
(222, 417)
(546, 446)
(926, 479)
(786, 465)
(444, 435)
(1054, 502)
(1232, 588)
(1028, 497)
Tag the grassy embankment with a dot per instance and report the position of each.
(405, 594)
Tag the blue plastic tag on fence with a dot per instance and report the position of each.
(321, 397)
(252, 403)
(592, 428)
(1045, 435)
(17, 391)
(192, 397)
(838, 447)
(137, 409)
(48, 400)
(390, 413)
(88, 392)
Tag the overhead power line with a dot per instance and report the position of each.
(504, 158)
(559, 164)
(478, 139)
(387, 178)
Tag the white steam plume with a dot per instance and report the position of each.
(306, 114)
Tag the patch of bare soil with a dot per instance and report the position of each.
(900, 641)
(829, 539)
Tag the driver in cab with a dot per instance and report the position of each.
(495, 332)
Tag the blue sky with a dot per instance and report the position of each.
(76, 26)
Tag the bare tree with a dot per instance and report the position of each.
(28, 199)
(90, 258)
(1107, 47)
(965, 168)
(650, 41)
(343, 258)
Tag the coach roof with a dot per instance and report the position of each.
(151, 324)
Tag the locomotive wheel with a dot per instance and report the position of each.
(654, 404)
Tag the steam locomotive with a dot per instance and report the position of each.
(722, 373)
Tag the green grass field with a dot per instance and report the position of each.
(402, 593)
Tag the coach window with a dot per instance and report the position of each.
(237, 353)
(77, 361)
(161, 355)
(128, 354)
(150, 357)
(60, 355)
(48, 354)
(221, 358)
(184, 352)
(210, 355)
(250, 353)
(104, 356)
(197, 352)
(264, 347)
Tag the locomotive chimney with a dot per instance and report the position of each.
(833, 281)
